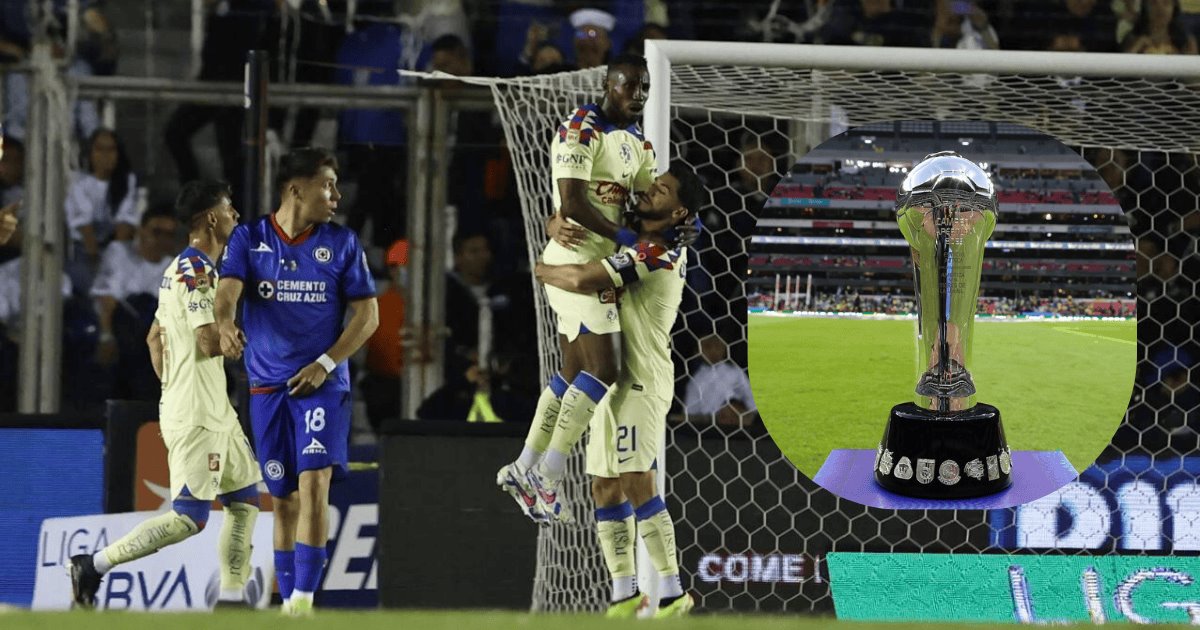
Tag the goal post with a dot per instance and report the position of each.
(751, 530)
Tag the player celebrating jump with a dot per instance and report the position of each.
(303, 272)
(600, 156)
(625, 435)
(208, 455)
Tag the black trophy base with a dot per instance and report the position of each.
(944, 455)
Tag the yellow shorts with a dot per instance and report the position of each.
(210, 463)
(626, 432)
(595, 311)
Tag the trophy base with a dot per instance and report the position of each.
(943, 455)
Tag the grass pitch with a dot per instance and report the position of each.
(822, 384)
(426, 620)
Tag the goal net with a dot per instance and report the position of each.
(751, 530)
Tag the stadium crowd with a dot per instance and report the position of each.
(889, 304)
(120, 225)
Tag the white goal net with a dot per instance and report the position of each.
(751, 530)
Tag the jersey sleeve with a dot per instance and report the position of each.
(198, 301)
(236, 261)
(357, 282)
(634, 264)
(647, 170)
(573, 151)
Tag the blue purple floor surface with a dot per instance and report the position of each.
(849, 473)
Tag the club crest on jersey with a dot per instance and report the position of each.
(323, 254)
(626, 152)
(214, 462)
(193, 273)
(266, 289)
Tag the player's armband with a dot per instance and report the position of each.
(622, 268)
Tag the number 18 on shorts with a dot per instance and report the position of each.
(293, 434)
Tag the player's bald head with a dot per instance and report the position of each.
(627, 65)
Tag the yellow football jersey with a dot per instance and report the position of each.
(653, 279)
(615, 161)
(193, 385)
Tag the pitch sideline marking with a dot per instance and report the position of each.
(1086, 334)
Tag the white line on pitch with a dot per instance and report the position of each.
(1079, 332)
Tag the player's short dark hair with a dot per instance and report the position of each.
(303, 163)
(692, 194)
(448, 43)
(625, 62)
(462, 236)
(198, 197)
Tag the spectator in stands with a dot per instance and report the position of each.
(101, 205)
(231, 29)
(548, 59)
(311, 46)
(874, 23)
(962, 24)
(591, 39)
(467, 301)
(518, 24)
(637, 44)
(126, 297)
(450, 55)
(719, 390)
(375, 139)
(540, 56)
(385, 348)
(478, 306)
(97, 45)
(12, 190)
(1092, 21)
(1159, 30)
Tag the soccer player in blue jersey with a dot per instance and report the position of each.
(302, 273)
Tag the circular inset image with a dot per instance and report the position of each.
(942, 314)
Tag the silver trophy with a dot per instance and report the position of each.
(946, 208)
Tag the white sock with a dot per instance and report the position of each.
(100, 561)
(624, 587)
(230, 595)
(298, 595)
(528, 459)
(669, 586)
(554, 465)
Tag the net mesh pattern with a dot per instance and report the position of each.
(732, 494)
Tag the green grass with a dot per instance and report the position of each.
(824, 384)
(424, 620)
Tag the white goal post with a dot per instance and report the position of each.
(738, 505)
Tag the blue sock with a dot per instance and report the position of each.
(310, 563)
(285, 572)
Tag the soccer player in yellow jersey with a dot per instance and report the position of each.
(626, 431)
(600, 157)
(208, 454)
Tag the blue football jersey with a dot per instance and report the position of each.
(295, 295)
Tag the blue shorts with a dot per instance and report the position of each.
(293, 434)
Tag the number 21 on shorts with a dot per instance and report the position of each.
(626, 439)
(314, 420)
